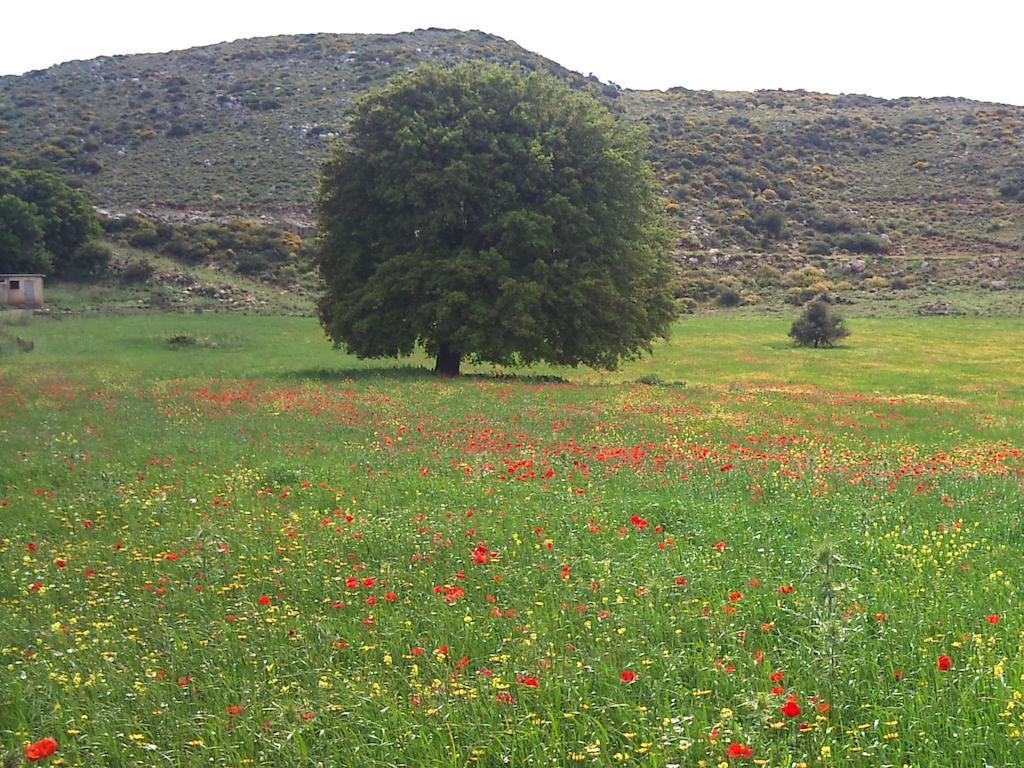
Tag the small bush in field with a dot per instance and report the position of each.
(728, 296)
(818, 326)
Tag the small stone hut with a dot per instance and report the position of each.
(18, 291)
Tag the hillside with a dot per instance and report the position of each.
(240, 124)
(792, 179)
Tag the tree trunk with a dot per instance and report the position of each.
(448, 361)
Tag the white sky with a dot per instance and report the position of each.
(883, 48)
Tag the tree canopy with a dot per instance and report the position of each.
(485, 214)
(45, 225)
(818, 326)
(21, 237)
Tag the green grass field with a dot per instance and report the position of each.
(248, 549)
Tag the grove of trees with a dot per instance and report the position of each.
(47, 226)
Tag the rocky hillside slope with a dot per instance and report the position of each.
(769, 178)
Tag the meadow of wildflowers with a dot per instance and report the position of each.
(223, 557)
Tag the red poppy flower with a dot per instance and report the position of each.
(741, 751)
(627, 676)
(233, 709)
(528, 680)
(785, 589)
(945, 663)
(790, 709)
(37, 750)
(994, 618)
(734, 596)
(264, 600)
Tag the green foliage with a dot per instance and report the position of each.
(805, 284)
(728, 296)
(62, 214)
(179, 340)
(818, 326)
(21, 237)
(245, 246)
(862, 243)
(1013, 188)
(478, 212)
(90, 258)
(767, 275)
(819, 248)
(138, 271)
(144, 236)
(772, 223)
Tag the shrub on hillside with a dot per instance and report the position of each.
(875, 282)
(728, 296)
(819, 248)
(862, 243)
(138, 271)
(805, 284)
(766, 274)
(902, 282)
(91, 258)
(772, 224)
(244, 246)
(1013, 188)
(818, 326)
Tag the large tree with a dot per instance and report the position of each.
(485, 214)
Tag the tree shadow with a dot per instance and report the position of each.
(780, 345)
(397, 373)
(334, 375)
